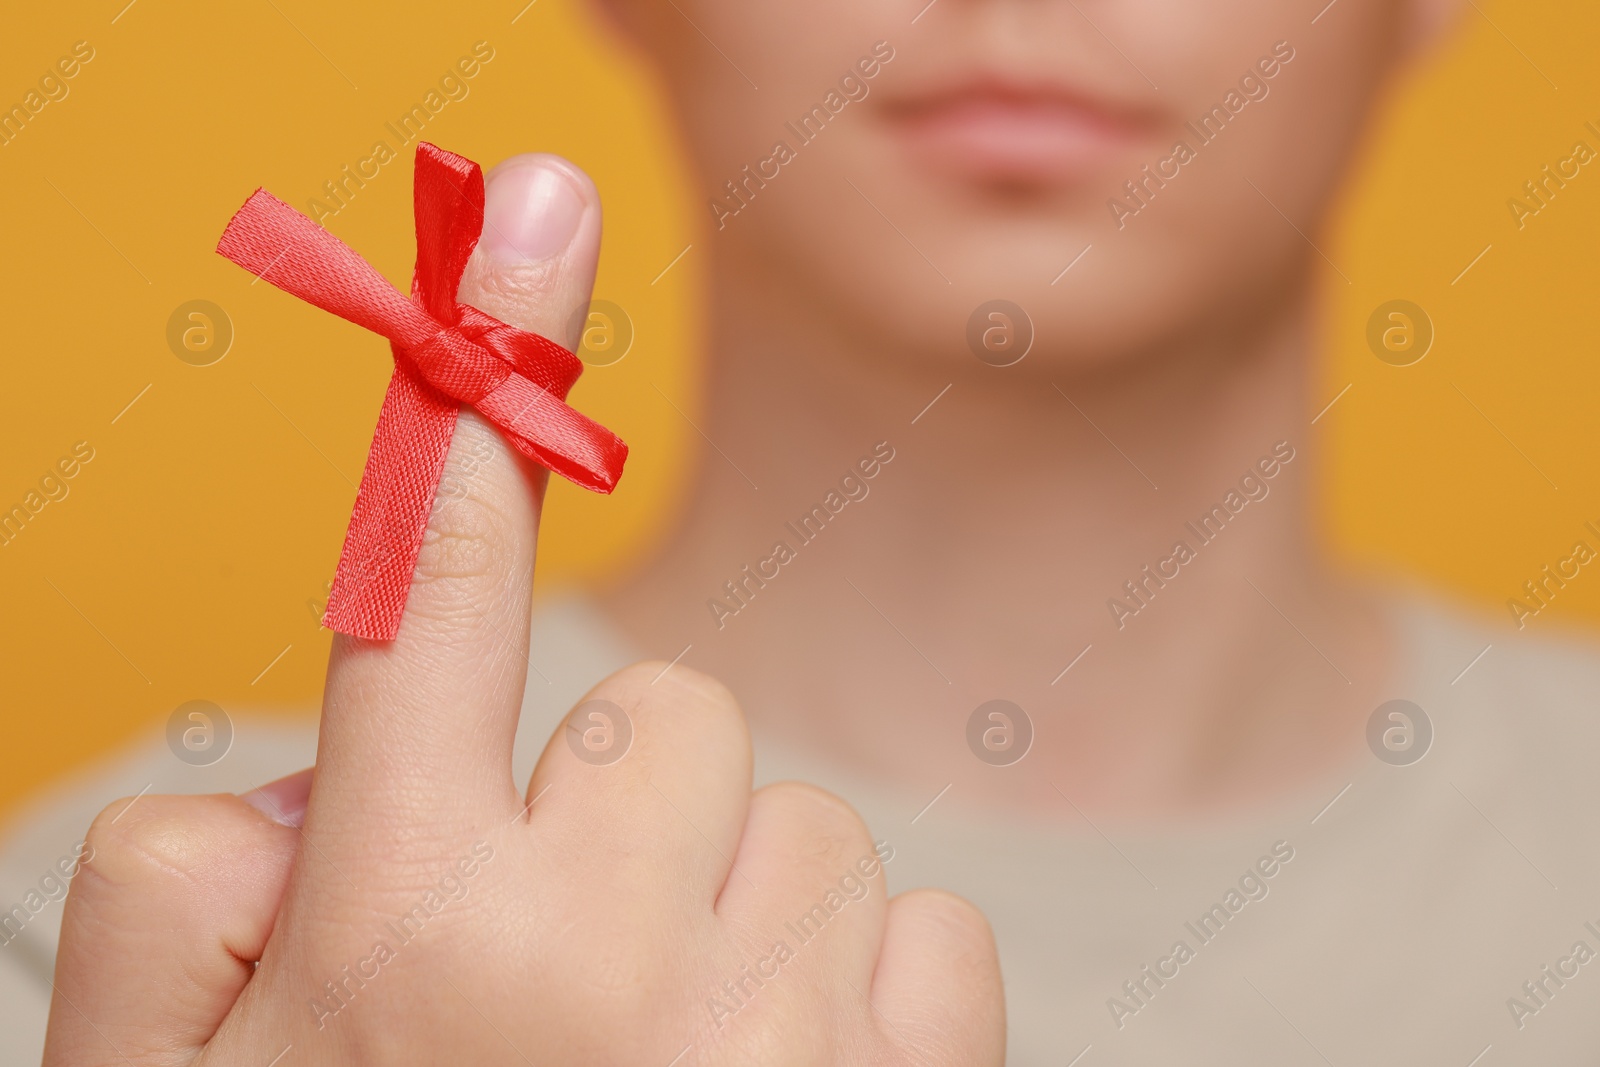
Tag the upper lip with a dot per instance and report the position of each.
(1127, 113)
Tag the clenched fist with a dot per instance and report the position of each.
(407, 902)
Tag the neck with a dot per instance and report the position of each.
(1028, 520)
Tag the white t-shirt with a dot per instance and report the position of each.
(1384, 915)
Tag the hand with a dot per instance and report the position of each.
(645, 910)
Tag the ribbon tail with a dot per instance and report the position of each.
(275, 242)
(554, 435)
(392, 508)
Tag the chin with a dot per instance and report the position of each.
(1073, 311)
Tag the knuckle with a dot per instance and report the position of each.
(944, 918)
(701, 688)
(671, 699)
(512, 294)
(141, 840)
(825, 827)
(656, 681)
(478, 510)
(468, 537)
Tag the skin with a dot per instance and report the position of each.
(588, 916)
(993, 545)
(602, 921)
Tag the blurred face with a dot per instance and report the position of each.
(897, 166)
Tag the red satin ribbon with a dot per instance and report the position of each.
(445, 354)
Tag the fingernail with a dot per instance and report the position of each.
(531, 212)
(283, 801)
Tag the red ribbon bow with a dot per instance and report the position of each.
(445, 354)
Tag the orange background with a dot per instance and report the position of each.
(194, 547)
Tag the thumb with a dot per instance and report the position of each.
(171, 906)
(429, 718)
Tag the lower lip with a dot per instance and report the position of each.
(1014, 141)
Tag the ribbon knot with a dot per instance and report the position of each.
(462, 361)
(445, 354)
